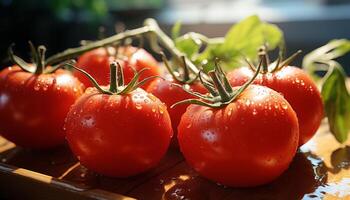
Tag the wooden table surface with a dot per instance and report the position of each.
(321, 169)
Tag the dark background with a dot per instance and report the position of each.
(60, 24)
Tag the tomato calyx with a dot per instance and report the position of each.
(182, 76)
(221, 92)
(38, 58)
(117, 84)
(267, 66)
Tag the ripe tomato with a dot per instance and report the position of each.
(248, 142)
(96, 63)
(299, 90)
(170, 94)
(118, 135)
(33, 107)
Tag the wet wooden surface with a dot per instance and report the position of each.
(320, 170)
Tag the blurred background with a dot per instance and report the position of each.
(60, 24)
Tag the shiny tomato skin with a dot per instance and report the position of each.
(33, 107)
(96, 63)
(118, 135)
(299, 90)
(249, 142)
(170, 94)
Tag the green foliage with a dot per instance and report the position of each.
(337, 103)
(336, 98)
(243, 39)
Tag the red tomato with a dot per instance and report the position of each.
(249, 142)
(118, 135)
(96, 63)
(33, 107)
(170, 94)
(299, 90)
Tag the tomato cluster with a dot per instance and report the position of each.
(245, 135)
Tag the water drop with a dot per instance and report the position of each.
(37, 87)
(153, 110)
(284, 106)
(161, 111)
(75, 89)
(138, 106)
(255, 112)
(189, 125)
(247, 102)
(83, 175)
(229, 112)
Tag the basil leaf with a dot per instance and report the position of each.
(337, 103)
(248, 35)
(244, 38)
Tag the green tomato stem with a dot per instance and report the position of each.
(168, 43)
(40, 61)
(225, 96)
(113, 84)
(74, 52)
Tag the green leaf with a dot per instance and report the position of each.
(175, 30)
(248, 35)
(337, 103)
(314, 61)
(244, 38)
(188, 45)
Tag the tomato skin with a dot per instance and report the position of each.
(249, 142)
(96, 62)
(299, 90)
(33, 107)
(118, 135)
(170, 94)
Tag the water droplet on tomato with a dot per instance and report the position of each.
(284, 106)
(242, 121)
(153, 110)
(255, 112)
(247, 102)
(37, 87)
(138, 106)
(189, 125)
(229, 112)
